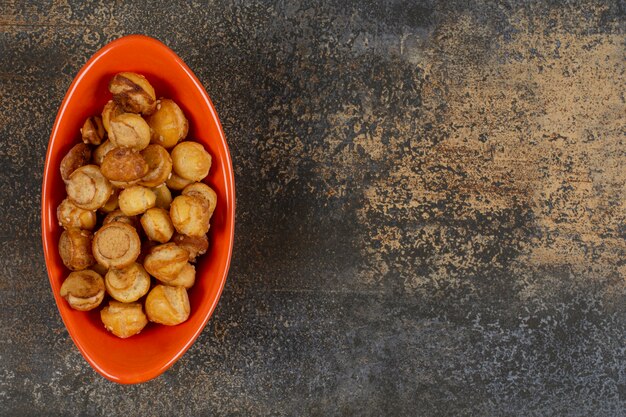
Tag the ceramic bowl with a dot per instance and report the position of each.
(148, 354)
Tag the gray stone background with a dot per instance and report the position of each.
(431, 208)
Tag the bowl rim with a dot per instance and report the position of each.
(48, 172)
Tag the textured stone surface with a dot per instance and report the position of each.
(431, 208)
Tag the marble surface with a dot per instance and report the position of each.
(431, 211)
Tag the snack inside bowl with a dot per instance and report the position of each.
(148, 354)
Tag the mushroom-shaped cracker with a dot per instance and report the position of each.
(136, 200)
(110, 111)
(164, 262)
(72, 216)
(191, 161)
(124, 165)
(157, 224)
(177, 183)
(123, 320)
(190, 215)
(127, 284)
(78, 156)
(167, 305)
(168, 123)
(200, 189)
(116, 245)
(186, 278)
(93, 131)
(75, 249)
(87, 188)
(133, 92)
(129, 130)
(83, 290)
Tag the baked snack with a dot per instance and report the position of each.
(124, 165)
(186, 277)
(116, 245)
(136, 200)
(127, 284)
(133, 93)
(72, 216)
(129, 130)
(123, 320)
(168, 124)
(75, 249)
(83, 290)
(92, 132)
(159, 165)
(157, 224)
(195, 245)
(190, 215)
(167, 305)
(87, 188)
(78, 156)
(110, 111)
(177, 183)
(164, 262)
(191, 161)
(200, 189)
(163, 196)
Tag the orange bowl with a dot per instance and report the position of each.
(156, 348)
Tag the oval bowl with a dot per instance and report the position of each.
(156, 348)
